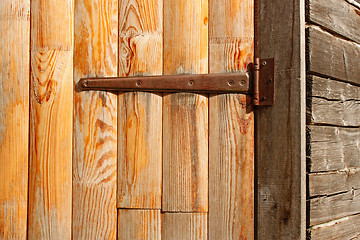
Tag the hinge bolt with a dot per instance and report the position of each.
(231, 82)
(262, 99)
(264, 63)
(138, 83)
(242, 82)
(85, 83)
(269, 81)
(191, 82)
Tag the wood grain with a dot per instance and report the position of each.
(185, 115)
(329, 183)
(51, 111)
(345, 228)
(326, 209)
(339, 59)
(280, 134)
(140, 114)
(332, 102)
(231, 136)
(332, 148)
(14, 117)
(337, 16)
(139, 224)
(185, 226)
(95, 122)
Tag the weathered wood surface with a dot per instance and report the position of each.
(332, 102)
(326, 209)
(345, 228)
(95, 122)
(332, 148)
(185, 226)
(333, 57)
(333, 182)
(140, 114)
(336, 16)
(185, 115)
(281, 143)
(231, 119)
(14, 117)
(139, 224)
(51, 113)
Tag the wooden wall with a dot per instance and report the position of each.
(333, 119)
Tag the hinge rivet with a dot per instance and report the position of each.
(138, 83)
(262, 99)
(191, 82)
(264, 63)
(231, 82)
(85, 83)
(242, 83)
(269, 81)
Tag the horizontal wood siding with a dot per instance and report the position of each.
(333, 119)
(345, 228)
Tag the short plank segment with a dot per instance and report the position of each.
(139, 113)
(333, 182)
(95, 122)
(184, 226)
(185, 115)
(337, 16)
(344, 229)
(339, 59)
(332, 102)
(332, 148)
(231, 136)
(281, 140)
(139, 224)
(14, 117)
(51, 112)
(325, 209)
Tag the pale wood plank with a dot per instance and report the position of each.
(14, 117)
(337, 16)
(326, 209)
(185, 226)
(231, 137)
(333, 182)
(281, 141)
(185, 115)
(95, 122)
(140, 114)
(332, 148)
(339, 59)
(139, 224)
(345, 228)
(332, 102)
(51, 112)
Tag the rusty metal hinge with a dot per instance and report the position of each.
(260, 82)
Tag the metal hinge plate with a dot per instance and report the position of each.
(260, 82)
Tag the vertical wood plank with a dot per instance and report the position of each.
(231, 137)
(95, 122)
(14, 117)
(139, 224)
(51, 111)
(139, 113)
(185, 226)
(280, 145)
(185, 115)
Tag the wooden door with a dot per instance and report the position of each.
(162, 166)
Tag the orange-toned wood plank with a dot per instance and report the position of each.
(185, 226)
(139, 224)
(185, 115)
(95, 122)
(51, 111)
(231, 137)
(14, 117)
(140, 114)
